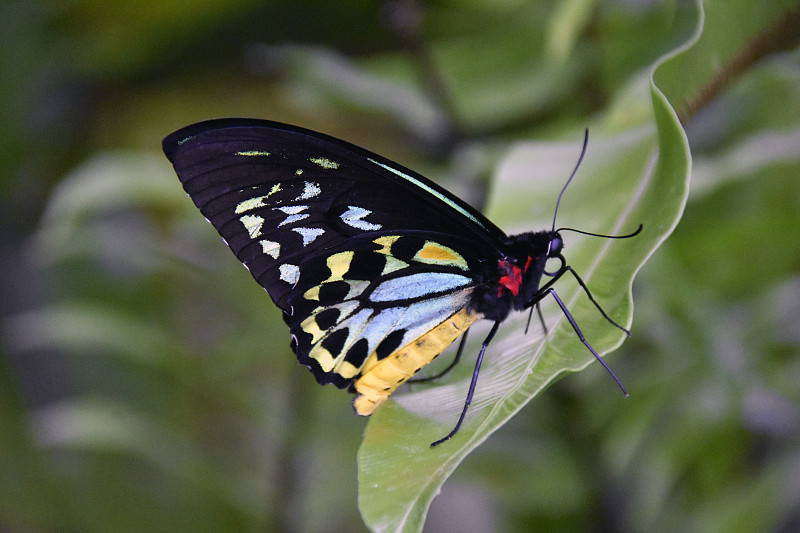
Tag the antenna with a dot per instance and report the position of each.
(564, 188)
(628, 236)
(577, 165)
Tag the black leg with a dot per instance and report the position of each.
(528, 323)
(583, 339)
(541, 318)
(547, 287)
(452, 364)
(591, 298)
(471, 385)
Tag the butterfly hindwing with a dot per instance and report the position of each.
(362, 255)
(353, 303)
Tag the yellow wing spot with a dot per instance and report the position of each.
(386, 243)
(324, 163)
(255, 203)
(249, 204)
(439, 254)
(323, 357)
(339, 264)
(312, 293)
(310, 326)
(252, 153)
(381, 378)
(370, 363)
(347, 370)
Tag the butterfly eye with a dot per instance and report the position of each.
(555, 246)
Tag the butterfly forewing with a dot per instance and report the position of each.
(362, 256)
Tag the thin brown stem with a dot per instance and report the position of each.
(404, 18)
(782, 35)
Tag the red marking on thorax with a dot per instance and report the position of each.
(512, 278)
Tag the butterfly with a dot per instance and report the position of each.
(376, 269)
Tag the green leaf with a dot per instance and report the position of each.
(636, 171)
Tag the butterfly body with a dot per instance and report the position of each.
(375, 268)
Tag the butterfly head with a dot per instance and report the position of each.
(555, 245)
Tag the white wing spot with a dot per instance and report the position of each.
(271, 248)
(310, 190)
(353, 215)
(309, 234)
(324, 163)
(392, 265)
(292, 219)
(294, 212)
(252, 224)
(289, 273)
(292, 209)
(252, 153)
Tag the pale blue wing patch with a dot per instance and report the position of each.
(417, 286)
(374, 325)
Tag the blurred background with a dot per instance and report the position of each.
(146, 383)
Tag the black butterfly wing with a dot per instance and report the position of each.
(361, 254)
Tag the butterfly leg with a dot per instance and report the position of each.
(591, 298)
(452, 364)
(541, 319)
(583, 339)
(471, 386)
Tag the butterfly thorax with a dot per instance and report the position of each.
(512, 282)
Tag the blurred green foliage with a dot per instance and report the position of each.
(147, 384)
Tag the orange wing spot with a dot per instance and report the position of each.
(437, 253)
